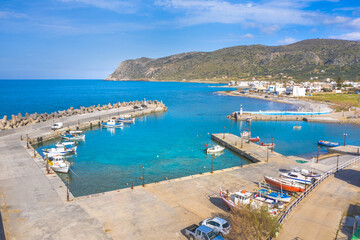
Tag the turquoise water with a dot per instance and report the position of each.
(169, 145)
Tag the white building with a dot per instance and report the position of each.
(298, 91)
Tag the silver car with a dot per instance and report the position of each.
(217, 224)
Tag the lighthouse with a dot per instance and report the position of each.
(241, 109)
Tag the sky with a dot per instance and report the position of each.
(87, 39)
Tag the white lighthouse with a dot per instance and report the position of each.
(241, 109)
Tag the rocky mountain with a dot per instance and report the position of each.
(309, 58)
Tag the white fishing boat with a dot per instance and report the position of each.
(66, 144)
(74, 136)
(60, 150)
(59, 164)
(308, 173)
(297, 177)
(112, 124)
(214, 149)
(126, 119)
(246, 134)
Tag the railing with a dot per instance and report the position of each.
(307, 191)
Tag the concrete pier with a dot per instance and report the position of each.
(348, 149)
(249, 150)
(259, 117)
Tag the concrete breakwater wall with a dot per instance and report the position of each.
(19, 120)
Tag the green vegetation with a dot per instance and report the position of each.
(252, 223)
(341, 100)
(321, 58)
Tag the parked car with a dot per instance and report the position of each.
(56, 126)
(194, 232)
(217, 224)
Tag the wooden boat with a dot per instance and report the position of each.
(60, 150)
(126, 119)
(112, 124)
(256, 139)
(58, 164)
(74, 136)
(246, 134)
(298, 177)
(214, 149)
(278, 196)
(285, 184)
(297, 127)
(237, 199)
(249, 119)
(268, 145)
(328, 143)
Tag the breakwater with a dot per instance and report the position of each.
(19, 120)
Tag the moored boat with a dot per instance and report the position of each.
(328, 143)
(255, 139)
(60, 144)
(112, 124)
(285, 184)
(249, 119)
(61, 150)
(74, 136)
(268, 145)
(126, 119)
(58, 164)
(214, 149)
(246, 134)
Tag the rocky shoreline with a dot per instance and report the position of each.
(19, 120)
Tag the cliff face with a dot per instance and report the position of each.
(325, 57)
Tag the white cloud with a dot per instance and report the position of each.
(248, 35)
(270, 29)
(9, 14)
(348, 36)
(287, 40)
(112, 5)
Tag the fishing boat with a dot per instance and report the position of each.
(297, 177)
(297, 127)
(285, 184)
(246, 134)
(112, 124)
(237, 199)
(249, 119)
(271, 202)
(74, 136)
(126, 119)
(255, 139)
(214, 149)
(308, 173)
(66, 144)
(278, 196)
(328, 143)
(61, 150)
(58, 164)
(268, 145)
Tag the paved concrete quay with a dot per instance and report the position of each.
(252, 151)
(319, 215)
(33, 204)
(348, 149)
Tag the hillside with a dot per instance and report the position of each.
(309, 58)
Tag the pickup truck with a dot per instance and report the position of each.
(194, 232)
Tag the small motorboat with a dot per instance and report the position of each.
(249, 119)
(126, 119)
(74, 136)
(112, 124)
(285, 184)
(308, 173)
(59, 164)
(66, 144)
(271, 202)
(298, 177)
(328, 143)
(60, 150)
(278, 196)
(255, 139)
(297, 127)
(237, 199)
(246, 134)
(214, 149)
(268, 145)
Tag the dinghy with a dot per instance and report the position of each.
(256, 139)
(214, 149)
(278, 196)
(59, 164)
(74, 136)
(268, 145)
(126, 119)
(328, 143)
(112, 124)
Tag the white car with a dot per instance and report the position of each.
(56, 126)
(217, 224)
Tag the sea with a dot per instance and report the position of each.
(160, 146)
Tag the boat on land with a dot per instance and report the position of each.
(58, 164)
(328, 143)
(214, 149)
(268, 145)
(308, 173)
(271, 202)
(298, 177)
(285, 184)
(60, 150)
(255, 139)
(278, 196)
(238, 199)
(112, 124)
(74, 136)
(126, 119)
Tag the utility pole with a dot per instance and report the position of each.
(143, 183)
(212, 163)
(67, 189)
(317, 155)
(345, 138)
(337, 163)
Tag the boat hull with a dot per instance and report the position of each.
(283, 185)
(328, 144)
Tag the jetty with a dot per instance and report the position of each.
(249, 150)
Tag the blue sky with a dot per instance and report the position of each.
(87, 39)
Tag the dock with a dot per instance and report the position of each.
(249, 150)
(259, 117)
(348, 149)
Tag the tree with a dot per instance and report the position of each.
(252, 223)
(339, 82)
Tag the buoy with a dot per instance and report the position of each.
(157, 156)
(141, 178)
